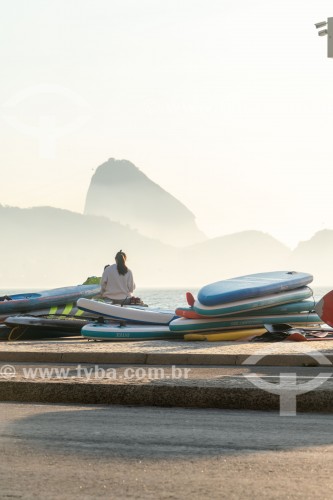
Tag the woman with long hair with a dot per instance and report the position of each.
(117, 282)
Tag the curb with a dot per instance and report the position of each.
(158, 359)
(241, 398)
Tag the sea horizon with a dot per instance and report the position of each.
(167, 297)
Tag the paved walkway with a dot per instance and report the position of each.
(234, 375)
(77, 349)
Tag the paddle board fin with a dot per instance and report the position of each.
(190, 299)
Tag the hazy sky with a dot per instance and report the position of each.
(227, 104)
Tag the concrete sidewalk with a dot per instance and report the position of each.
(221, 375)
(168, 352)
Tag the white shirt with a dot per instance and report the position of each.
(116, 286)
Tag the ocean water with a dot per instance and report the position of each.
(167, 298)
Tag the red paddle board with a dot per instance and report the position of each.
(188, 312)
(324, 308)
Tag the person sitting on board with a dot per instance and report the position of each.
(117, 283)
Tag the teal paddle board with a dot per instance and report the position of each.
(113, 332)
(293, 307)
(253, 303)
(207, 324)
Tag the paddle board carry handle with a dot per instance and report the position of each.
(190, 299)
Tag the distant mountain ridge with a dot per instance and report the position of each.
(46, 245)
(316, 253)
(50, 247)
(121, 192)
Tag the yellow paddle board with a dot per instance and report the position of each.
(226, 335)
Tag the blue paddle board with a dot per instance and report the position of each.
(252, 285)
(113, 332)
(251, 304)
(26, 302)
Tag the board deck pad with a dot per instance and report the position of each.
(252, 285)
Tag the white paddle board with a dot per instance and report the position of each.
(133, 314)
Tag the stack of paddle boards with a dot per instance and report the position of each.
(46, 299)
(46, 314)
(127, 322)
(236, 307)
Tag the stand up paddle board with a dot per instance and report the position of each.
(252, 285)
(324, 308)
(37, 333)
(133, 314)
(64, 311)
(26, 302)
(98, 331)
(240, 306)
(207, 324)
(227, 335)
(69, 324)
(290, 308)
